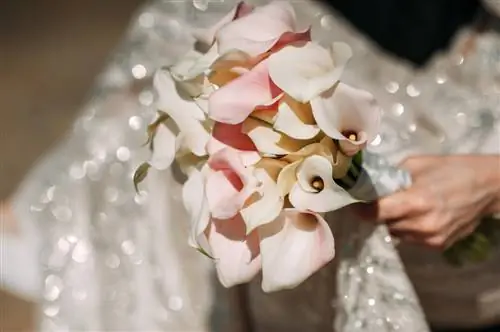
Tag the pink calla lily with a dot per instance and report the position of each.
(234, 102)
(260, 30)
(293, 247)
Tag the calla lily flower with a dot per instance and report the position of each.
(235, 101)
(269, 141)
(349, 115)
(226, 136)
(183, 130)
(262, 29)
(310, 185)
(293, 247)
(229, 184)
(304, 71)
(207, 36)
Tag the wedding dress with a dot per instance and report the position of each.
(97, 256)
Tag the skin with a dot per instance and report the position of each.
(448, 197)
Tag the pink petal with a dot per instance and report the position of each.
(234, 102)
(293, 247)
(229, 185)
(257, 32)
(247, 157)
(207, 36)
(292, 37)
(232, 136)
(237, 254)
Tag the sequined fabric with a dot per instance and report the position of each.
(112, 259)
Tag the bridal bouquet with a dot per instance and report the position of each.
(269, 139)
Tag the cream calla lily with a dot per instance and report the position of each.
(290, 120)
(293, 247)
(266, 203)
(189, 73)
(164, 146)
(196, 204)
(269, 141)
(190, 132)
(315, 189)
(349, 115)
(304, 71)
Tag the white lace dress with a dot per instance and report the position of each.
(98, 257)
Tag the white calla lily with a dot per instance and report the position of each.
(186, 114)
(189, 73)
(268, 204)
(289, 122)
(269, 141)
(196, 204)
(304, 71)
(315, 189)
(349, 115)
(293, 247)
(164, 146)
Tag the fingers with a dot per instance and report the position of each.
(403, 204)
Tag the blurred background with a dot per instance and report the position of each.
(50, 53)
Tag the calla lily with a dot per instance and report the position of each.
(190, 132)
(293, 247)
(295, 119)
(269, 141)
(189, 73)
(226, 136)
(234, 102)
(314, 188)
(265, 204)
(164, 146)
(207, 36)
(304, 71)
(260, 30)
(349, 115)
(229, 184)
(196, 204)
(236, 253)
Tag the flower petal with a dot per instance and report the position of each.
(188, 73)
(237, 254)
(184, 112)
(270, 142)
(344, 109)
(293, 247)
(288, 122)
(229, 185)
(267, 206)
(233, 136)
(207, 36)
(304, 196)
(305, 71)
(234, 102)
(288, 177)
(248, 158)
(258, 31)
(164, 147)
(196, 204)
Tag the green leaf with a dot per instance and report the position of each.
(151, 131)
(204, 253)
(358, 159)
(140, 174)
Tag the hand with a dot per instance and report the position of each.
(448, 197)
